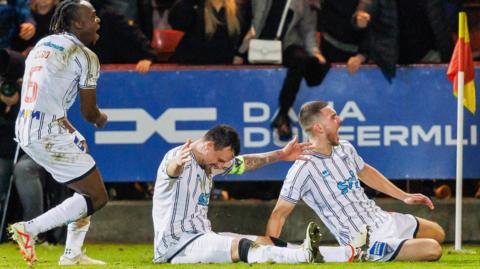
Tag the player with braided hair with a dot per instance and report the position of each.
(59, 67)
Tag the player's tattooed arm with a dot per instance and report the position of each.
(292, 151)
(255, 161)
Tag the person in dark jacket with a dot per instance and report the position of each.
(213, 29)
(42, 12)
(121, 43)
(15, 19)
(406, 32)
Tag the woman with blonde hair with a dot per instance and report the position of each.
(212, 30)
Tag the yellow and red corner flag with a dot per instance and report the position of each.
(462, 62)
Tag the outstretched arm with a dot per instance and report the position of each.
(278, 217)
(376, 180)
(292, 151)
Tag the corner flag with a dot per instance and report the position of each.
(462, 62)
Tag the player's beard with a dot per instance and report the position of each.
(333, 139)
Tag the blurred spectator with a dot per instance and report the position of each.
(15, 19)
(406, 32)
(42, 11)
(340, 41)
(119, 42)
(136, 12)
(212, 30)
(11, 68)
(301, 55)
(161, 9)
(380, 17)
(424, 34)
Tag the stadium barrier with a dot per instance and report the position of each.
(114, 222)
(405, 128)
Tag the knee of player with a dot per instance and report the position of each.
(100, 200)
(440, 235)
(240, 249)
(434, 251)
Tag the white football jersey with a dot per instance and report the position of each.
(331, 187)
(180, 205)
(55, 70)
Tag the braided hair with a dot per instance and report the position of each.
(62, 18)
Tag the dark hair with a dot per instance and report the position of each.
(65, 13)
(309, 113)
(223, 136)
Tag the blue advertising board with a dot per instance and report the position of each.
(406, 128)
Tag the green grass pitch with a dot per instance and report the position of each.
(139, 256)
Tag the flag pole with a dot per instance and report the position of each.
(462, 32)
(459, 173)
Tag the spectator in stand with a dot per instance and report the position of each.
(136, 12)
(213, 29)
(119, 42)
(340, 41)
(301, 55)
(9, 107)
(405, 32)
(42, 11)
(15, 19)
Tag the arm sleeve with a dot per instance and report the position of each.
(358, 161)
(24, 13)
(89, 68)
(162, 169)
(308, 26)
(292, 189)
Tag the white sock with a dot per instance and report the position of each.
(262, 254)
(336, 254)
(75, 236)
(68, 211)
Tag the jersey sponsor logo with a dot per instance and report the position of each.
(53, 45)
(349, 183)
(203, 199)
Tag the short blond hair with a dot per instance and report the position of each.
(309, 114)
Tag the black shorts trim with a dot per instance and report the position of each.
(82, 176)
(397, 251)
(417, 228)
(183, 247)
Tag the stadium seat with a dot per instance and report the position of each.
(165, 42)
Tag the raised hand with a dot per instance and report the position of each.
(418, 198)
(183, 155)
(295, 151)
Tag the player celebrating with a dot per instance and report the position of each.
(58, 67)
(328, 182)
(180, 202)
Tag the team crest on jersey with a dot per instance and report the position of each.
(203, 199)
(349, 183)
(325, 173)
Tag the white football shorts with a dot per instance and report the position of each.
(63, 156)
(207, 248)
(386, 242)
